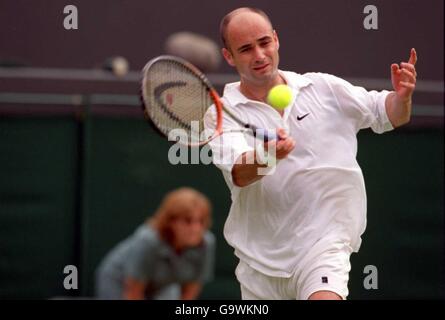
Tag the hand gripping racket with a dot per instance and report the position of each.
(177, 95)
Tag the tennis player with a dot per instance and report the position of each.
(169, 257)
(294, 230)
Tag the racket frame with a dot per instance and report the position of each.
(219, 106)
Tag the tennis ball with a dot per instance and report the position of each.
(279, 96)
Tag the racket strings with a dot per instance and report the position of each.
(178, 99)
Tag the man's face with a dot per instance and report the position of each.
(252, 48)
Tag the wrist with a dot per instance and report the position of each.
(401, 100)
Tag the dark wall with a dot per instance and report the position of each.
(57, 208)
(404, 238)
(38, 205)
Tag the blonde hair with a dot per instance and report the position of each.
(177, 204)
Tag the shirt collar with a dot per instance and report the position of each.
(294, 80)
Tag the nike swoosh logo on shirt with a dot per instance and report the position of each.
(302, 117)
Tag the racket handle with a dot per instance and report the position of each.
(263, 134)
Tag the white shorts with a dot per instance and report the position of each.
(323, 268)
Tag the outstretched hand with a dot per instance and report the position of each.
(404, 77)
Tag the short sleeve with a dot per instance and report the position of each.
(229, 146)
(367, 108)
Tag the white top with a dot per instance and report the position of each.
(315, 194)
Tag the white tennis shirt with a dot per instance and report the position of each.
(315, 194)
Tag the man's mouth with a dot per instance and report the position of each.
(261, 67)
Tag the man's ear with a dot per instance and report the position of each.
(228, 56)
(275, 36)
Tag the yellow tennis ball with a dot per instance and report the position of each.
(280, 96)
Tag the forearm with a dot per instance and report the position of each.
(397, 109)
(246, 170)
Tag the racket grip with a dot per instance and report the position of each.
(265, 135)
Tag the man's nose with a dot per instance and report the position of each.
(259, 54)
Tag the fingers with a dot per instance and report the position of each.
(409, 67)
(406, 74)
(409, 75)
(282, 133)
(284, 147)
(281, 147)
(286, 143)
(413, 57)
(408, 85)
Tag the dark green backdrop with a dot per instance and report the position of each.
(71, 189)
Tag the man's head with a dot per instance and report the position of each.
(250, 45)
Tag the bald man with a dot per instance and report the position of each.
(295, 228)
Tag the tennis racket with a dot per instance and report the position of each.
(177, 95)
